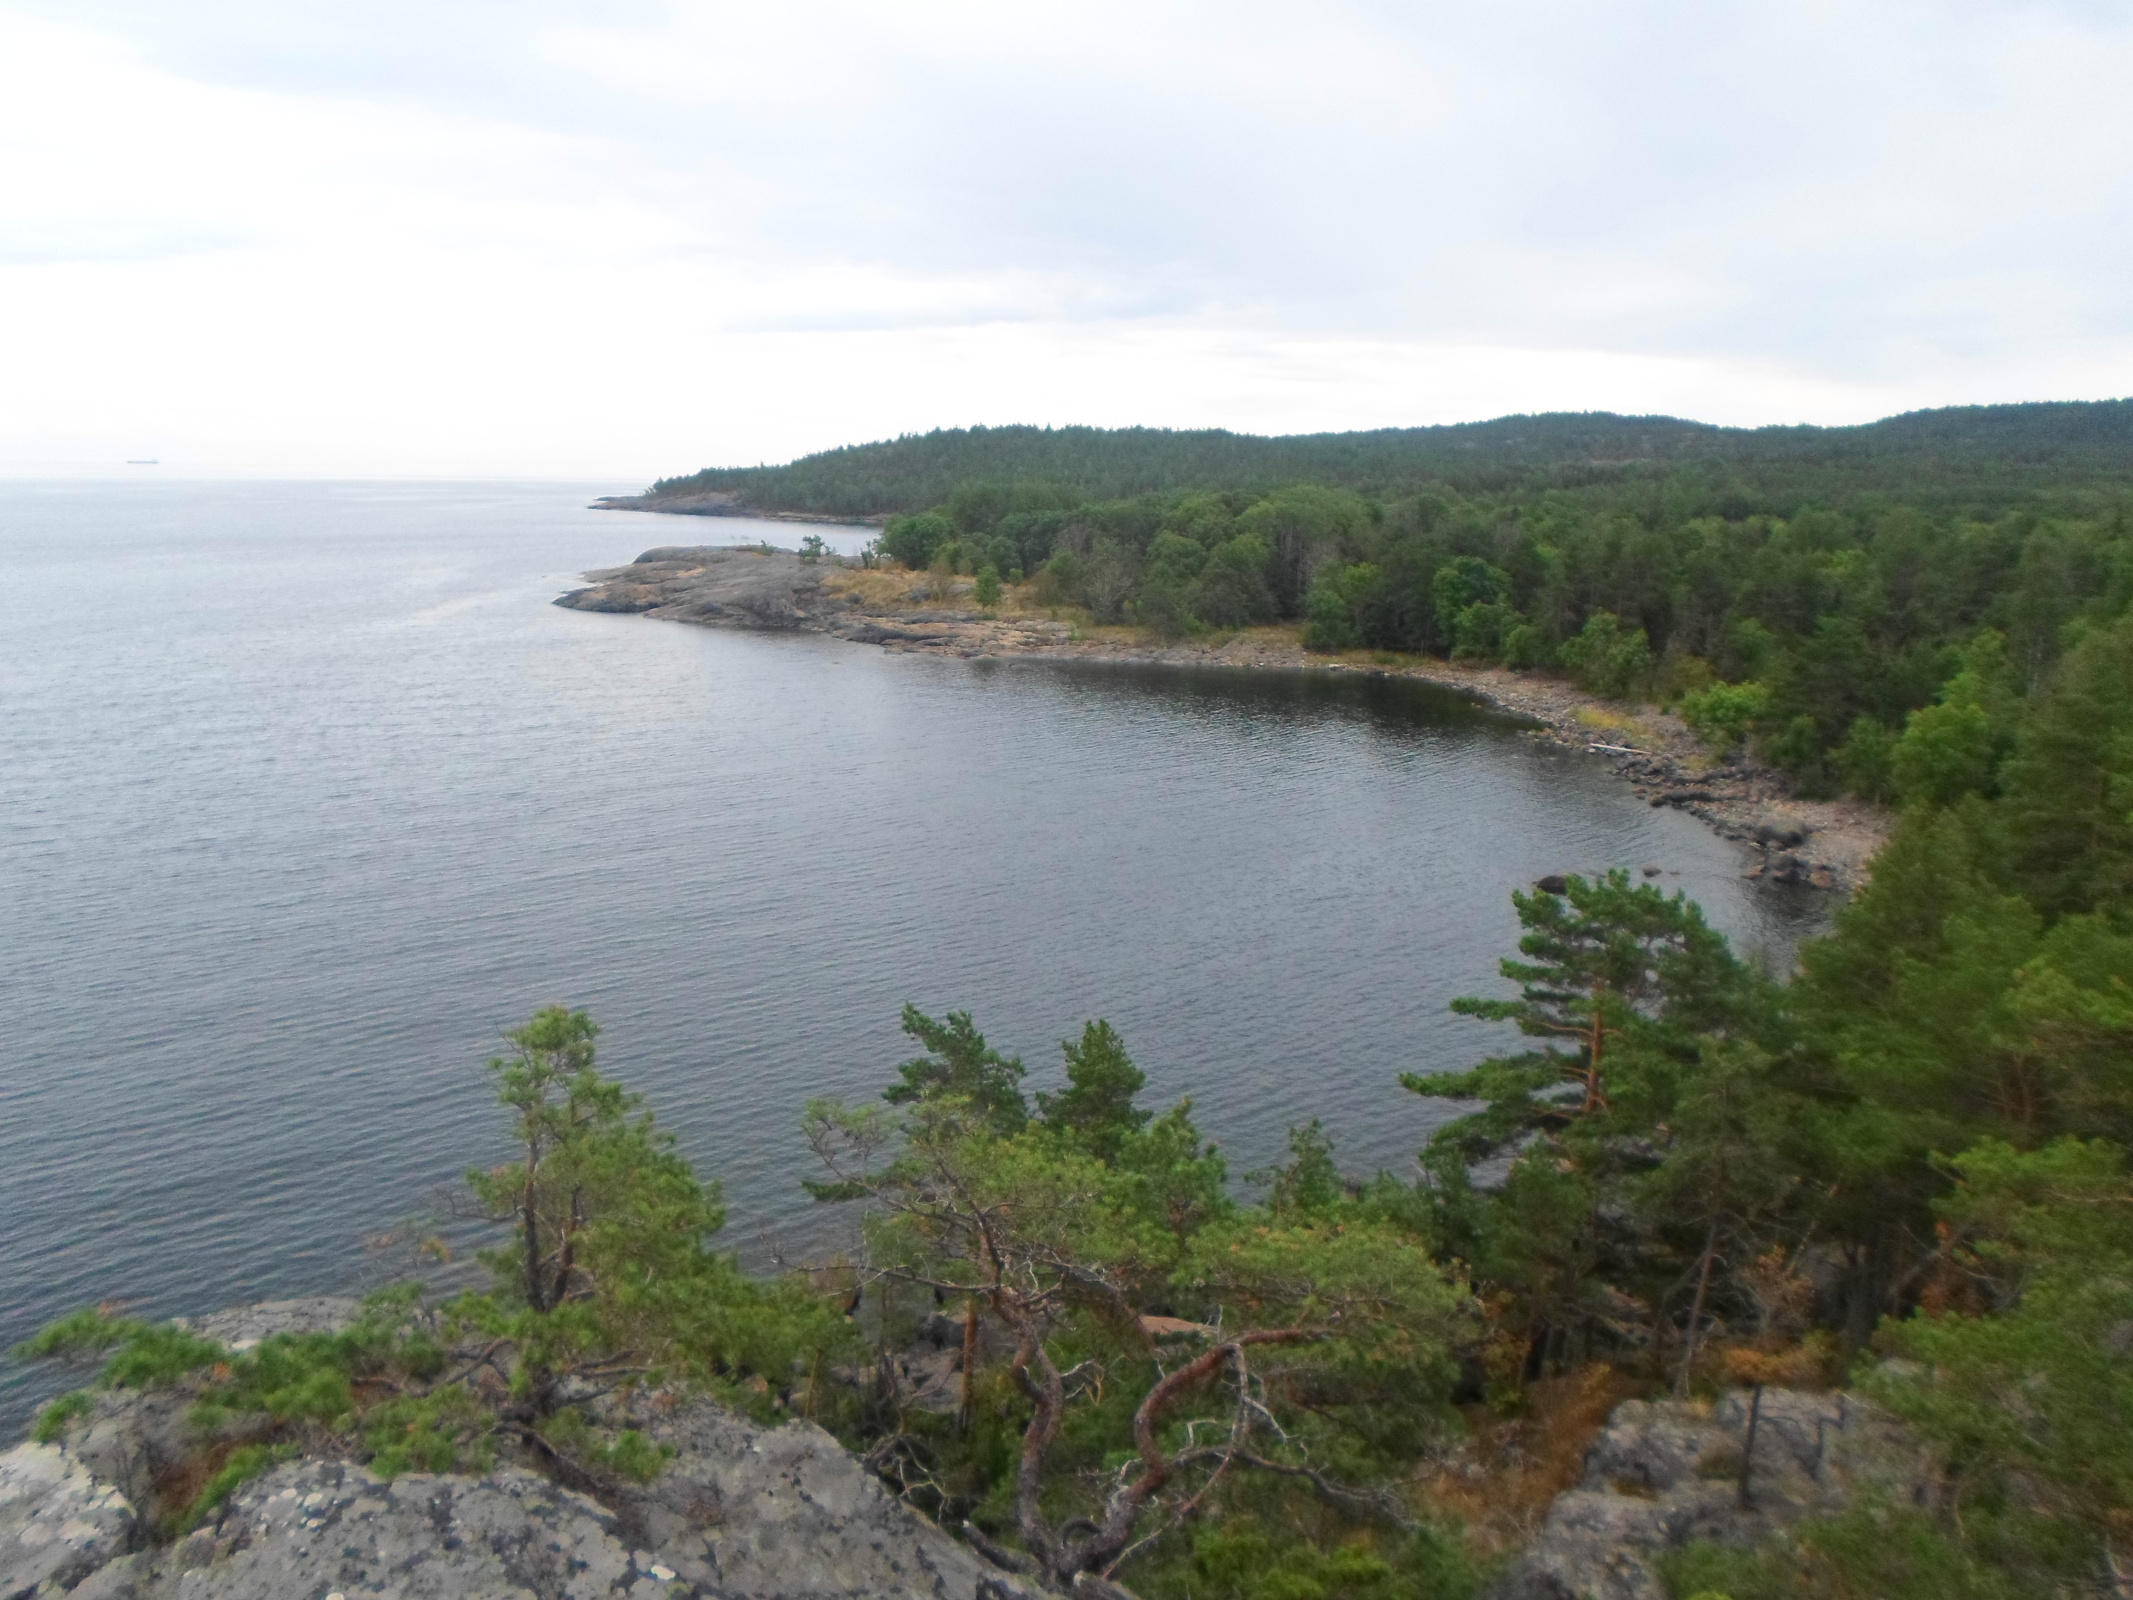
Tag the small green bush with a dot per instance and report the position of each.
(53, 1419)
(240, 1469)
(1870, 1553)
(1723, 715)
(1608, 658)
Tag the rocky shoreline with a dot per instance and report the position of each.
(1823, 844)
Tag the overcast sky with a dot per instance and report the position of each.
(623, 238)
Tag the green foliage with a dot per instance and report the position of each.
(1484, 632)
(987, 589)
(627, 1455)
(1990, 455)
(1463, 583)
(1874, 1553)
(1946, 752)
(1643, 1014)
(1110, 579)
(610, 1227)
(90, 1331)
(446, 1431)
(1069, 1231)
(1310, 1185)
(1852, 583)
(1096, 1112)
(1724, 713)
(51, 1424)
(1231, 589)
(1164, 607)
(915, 540)
(2069, 801)
(980, 506)
(1797, 747)
(146, 1355)
(1608, 658)
(1064, 580)
(244, 1464)
(959, 1063)
(1330, 612)
(1866, 760)
(2032, 1401)
(1620, 979)
(1260, 1555)
(1301, 525)
(1526, 646)
(1955, 747)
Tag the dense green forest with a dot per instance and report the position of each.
(1977, 457)
(1867, 606)
(1901, 1169)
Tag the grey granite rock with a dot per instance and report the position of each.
(781, 1513)
(741, 1512)
(58, 1524)
(318, 1528)
(242, 1327)
(689, 583)
(1663, 1474)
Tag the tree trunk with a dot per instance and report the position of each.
(530, 1216)
(970, 1363)
(1594, 1100)
(1703, 1284)
(1747, 1449)
(1047, 1393)
(1116, 1531)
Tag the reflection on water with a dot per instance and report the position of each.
(310, 793)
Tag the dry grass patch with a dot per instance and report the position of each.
(1621, 726)
(873, 588)
(1501, 1485)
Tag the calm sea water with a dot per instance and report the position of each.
(308, 792)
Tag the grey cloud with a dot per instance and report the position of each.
(1688, 177)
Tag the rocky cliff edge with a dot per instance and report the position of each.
(741, 1512)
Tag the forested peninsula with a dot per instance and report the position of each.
(1712, 1285)
(1862, 608)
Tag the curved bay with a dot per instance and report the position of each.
(309, 792)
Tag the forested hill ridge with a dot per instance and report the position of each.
(1973, 458)
(1866, 608)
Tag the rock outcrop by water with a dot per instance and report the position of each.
(681, 583)
(1665, 1474)
(741, 1512)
